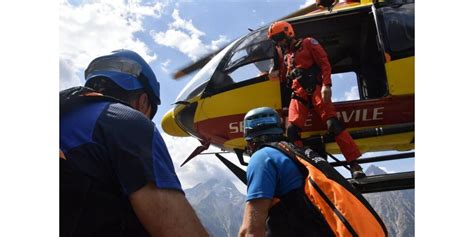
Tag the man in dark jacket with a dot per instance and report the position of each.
(116, 175)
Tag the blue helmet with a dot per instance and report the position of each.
(128, 70)
(262, 121)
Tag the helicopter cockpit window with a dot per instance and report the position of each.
(251, 70)
(247, 62)
(252, 53)
(199, 82)
(398, 28)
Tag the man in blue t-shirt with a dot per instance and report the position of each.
(276, 204)
(116, 175)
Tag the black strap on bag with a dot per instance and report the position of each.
(312, 165)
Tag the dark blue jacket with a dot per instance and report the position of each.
(110, 151)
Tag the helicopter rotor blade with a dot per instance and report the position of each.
(204, 60)
(196, 65)
(302, 11)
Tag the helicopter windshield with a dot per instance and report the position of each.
(200, 80)
(254, 47)
(246, 63)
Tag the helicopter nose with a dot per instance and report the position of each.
(169, 125)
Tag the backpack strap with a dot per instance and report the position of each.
(315, 168)
(294, 153)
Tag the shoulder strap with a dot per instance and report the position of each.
(292, 152)
(298, 44)
(72, 97)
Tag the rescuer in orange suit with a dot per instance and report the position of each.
(304, 66)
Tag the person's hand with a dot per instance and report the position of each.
(326, 93)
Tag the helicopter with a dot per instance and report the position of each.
(371, 40)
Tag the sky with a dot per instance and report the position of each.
(34, 34)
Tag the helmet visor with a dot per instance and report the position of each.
(124, 66)
(115, 64)
(278, 37)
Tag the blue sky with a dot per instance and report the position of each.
(170, 35)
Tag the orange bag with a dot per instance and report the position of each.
(343, 207)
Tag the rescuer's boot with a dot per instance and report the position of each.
(356, 170)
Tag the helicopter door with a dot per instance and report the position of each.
(396, 34)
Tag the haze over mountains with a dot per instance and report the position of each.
(396, 208)
(220, 207)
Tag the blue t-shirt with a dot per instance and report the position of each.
(116, 145)
(271, 173)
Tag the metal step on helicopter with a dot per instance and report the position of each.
(372, 40)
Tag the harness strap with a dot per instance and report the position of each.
(306, 77)
(290, 151)
(306, 103)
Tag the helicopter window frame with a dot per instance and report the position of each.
(232, 65)
(240, 82)
(221, 75)
(231, 84)
(201, 80)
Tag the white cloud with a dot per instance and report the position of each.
(184, 36)
(164, 66)
(201, 168)
(353, 94)
(180, 23)
(94, 28)
(67, 75)
(216, 44)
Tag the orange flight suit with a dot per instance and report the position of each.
(304, 54)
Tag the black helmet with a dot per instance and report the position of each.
(262, 121)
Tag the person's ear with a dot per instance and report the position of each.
(144, 104)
